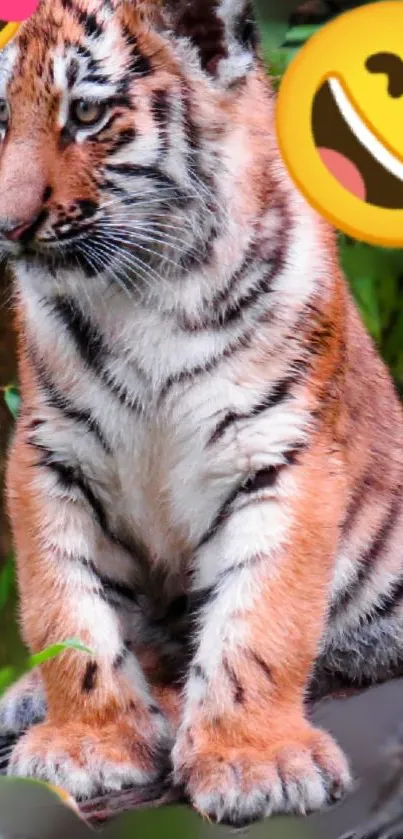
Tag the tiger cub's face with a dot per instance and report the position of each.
(111, 113)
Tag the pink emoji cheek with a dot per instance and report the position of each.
(17, 10)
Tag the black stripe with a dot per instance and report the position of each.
(153, 709)
(72, 73)
(123, 138)
(218, 303)
(111, 586)
(259, 289)
(197, 601)
(263, 479)
(220, 519)
(389, 602)
(139, 64)
(90, 677)
(245, 28)
(230, 419)
(197, 255)
(175, 193)
(222, 310)
(92, 348)
(58, 400)
(97, 78)
(318, 329)
(161, 109)
(317, 333)
(203, 248)
(202, 26)
(262, 664)
(221, 313)
(192, 131)
(151, 173)
(369, 558)
(237, 687)
(34, 424)
(242, 342)
(382, 536)
(93, 64)
(253, 560)
(277, 394)
(198, 672)
(292, 456)
(72, 478)
(194, 139)
(91, 26)
(107, 185)
(356, 503)
(86, 337)
(121, 658)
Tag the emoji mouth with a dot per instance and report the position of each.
(352, 152)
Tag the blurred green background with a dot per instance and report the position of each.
(376, 279)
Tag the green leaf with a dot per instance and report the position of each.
(9, 675)
(301, 34)
(12, 399)
(272, 34)
(55, 650)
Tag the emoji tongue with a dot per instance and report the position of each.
(344, 171)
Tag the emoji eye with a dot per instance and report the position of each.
(4, 113)
(86, 113)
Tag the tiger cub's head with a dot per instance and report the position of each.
(119, 122)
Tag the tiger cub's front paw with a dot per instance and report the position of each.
(238, 784)
(88, 760)
(22, 706)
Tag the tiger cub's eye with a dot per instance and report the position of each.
(86, 113)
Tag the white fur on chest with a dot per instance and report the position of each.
(162, 481)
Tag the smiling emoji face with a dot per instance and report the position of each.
(340, 122)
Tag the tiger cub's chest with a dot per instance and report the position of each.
(164, 480)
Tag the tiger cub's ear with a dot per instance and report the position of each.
(223, 31)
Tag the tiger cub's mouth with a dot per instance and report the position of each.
(352, 152)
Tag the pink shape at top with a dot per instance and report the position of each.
(16, 10)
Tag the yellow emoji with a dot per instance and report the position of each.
(7, 31)
(340, 122)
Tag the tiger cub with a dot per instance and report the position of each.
(206, 480)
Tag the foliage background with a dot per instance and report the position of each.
(375, 276)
